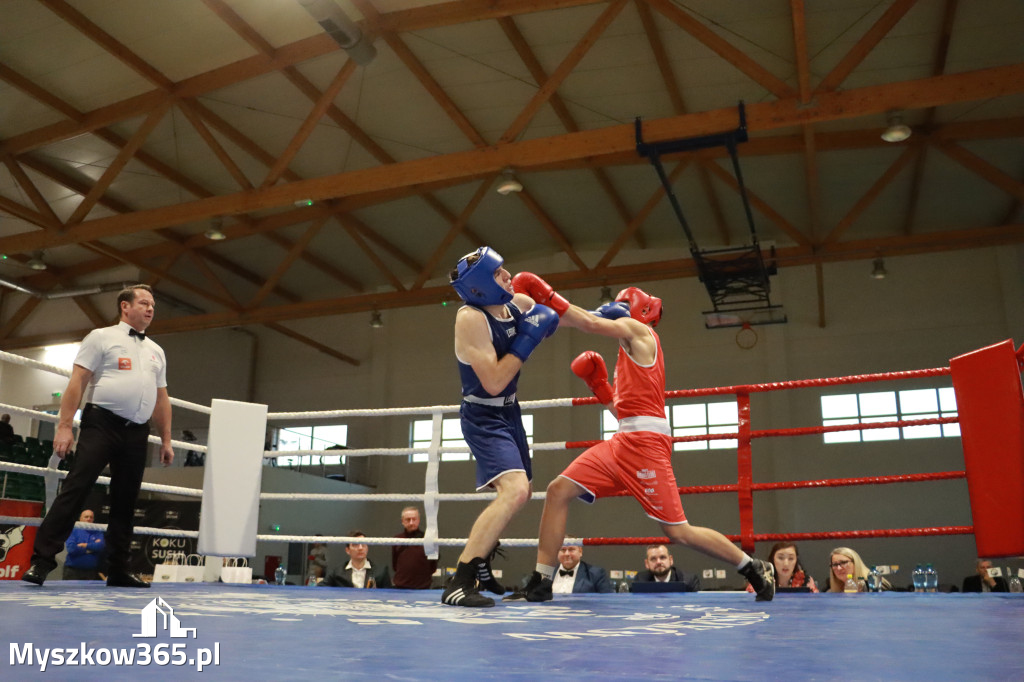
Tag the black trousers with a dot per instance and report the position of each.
(105, 439)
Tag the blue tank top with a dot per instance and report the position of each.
(502, 333)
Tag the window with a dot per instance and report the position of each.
(451, 437)
(692, 420)
(62, 355)
(702, 419)
(311, 438)
(888, 406)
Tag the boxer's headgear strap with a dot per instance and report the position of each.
(475, 283)
(642, 306)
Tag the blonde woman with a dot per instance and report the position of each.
(843, 561)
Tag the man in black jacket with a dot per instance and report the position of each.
(358, 572)
(982, 581)
(661, 568)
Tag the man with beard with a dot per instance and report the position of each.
(661, 568)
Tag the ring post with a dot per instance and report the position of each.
(430, 487)
(990, 401)
(231, 483)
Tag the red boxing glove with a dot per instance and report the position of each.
(589, 366)
(540, 291)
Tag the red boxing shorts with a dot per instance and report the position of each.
(639, 462)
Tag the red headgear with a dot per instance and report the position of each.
(642, 306)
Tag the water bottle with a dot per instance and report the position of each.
(918, 577)
(279, 574)
(851, 585)
(874, 580)
(931, 579)
(1014, 582)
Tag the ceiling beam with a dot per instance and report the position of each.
(637, 273)
(762, 116)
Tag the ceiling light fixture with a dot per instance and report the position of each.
(508, 183)
(343, 30)
(878, 270)
(216, 232)
(37, 262)
(375, 320)
(898, 131)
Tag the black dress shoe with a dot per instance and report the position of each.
(36, 574)
(125, 580)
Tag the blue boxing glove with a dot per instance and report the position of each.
(613, 310)
(537, 324)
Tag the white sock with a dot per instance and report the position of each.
(546, 571)
(743, 563)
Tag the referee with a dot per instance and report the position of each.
(123, 376)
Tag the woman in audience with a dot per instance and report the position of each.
(788, 570)
(844, 561)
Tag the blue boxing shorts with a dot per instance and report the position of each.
(497, 441)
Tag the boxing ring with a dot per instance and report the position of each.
(260, 630)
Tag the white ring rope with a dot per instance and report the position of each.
(54, 369)
(387, 497)
(47, 417)
(430, 497)
(307, 539)
(141, 530)
(406, 411)
(102, 480)
(391, 452)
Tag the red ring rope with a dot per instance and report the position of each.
(829, 535)
(969, 384)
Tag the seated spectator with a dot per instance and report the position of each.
(316, 575)
(192, 458)
(358, 572)
(576, 577)
(85, 550)
(413, 570)
(6, 430)
(843, 561)
(661, 568)
(317, 558)
(789, 572)
(981, 581)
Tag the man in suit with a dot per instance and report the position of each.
(661, 568)
(358, 572)
(575, 576)
(982, 581)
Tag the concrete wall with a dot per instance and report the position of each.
(930, 308)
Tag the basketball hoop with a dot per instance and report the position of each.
(746, 337)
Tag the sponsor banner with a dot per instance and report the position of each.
(16, 541)
(150, 550)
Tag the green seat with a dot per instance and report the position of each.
(19, 453)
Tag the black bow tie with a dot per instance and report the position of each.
(564, 573)
(134, 332)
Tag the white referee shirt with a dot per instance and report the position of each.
(563, 584)
(126, 372)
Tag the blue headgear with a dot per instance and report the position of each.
(475, 283)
